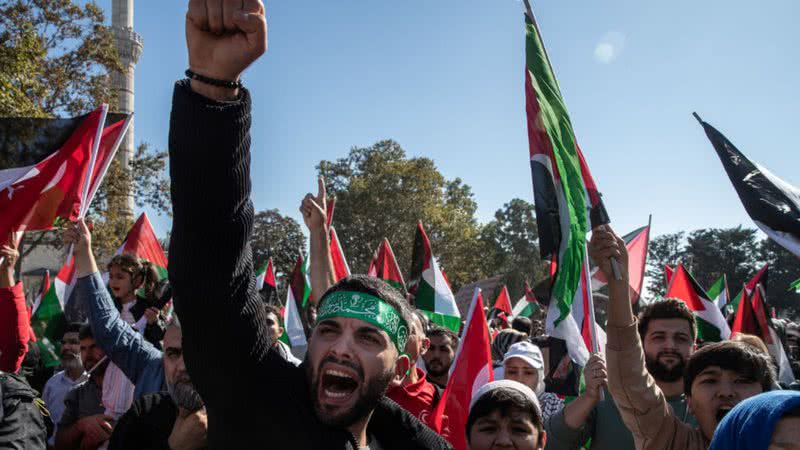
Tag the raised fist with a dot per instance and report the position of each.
(225, 36)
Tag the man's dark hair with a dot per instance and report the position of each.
(522, 324)
(441, 331)
(74, 327)
(734, 356)
(505, 400)
(271, 309)
(85, 332)
(670, 308)
(375, 287)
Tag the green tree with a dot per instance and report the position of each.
(380, 192)
(512, 249)
(716, 251)
(279, 237)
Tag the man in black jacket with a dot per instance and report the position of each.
(253, 397)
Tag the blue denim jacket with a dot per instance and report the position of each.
(127, 348)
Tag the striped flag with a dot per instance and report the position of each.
(718, 292)
(472, 368)
(711, 325)
(762, 277)
(503, 302)
(527, 305)
(668, 273)
(340, 267)
(432, 293)
(567, 201)
(772, 203)
(384, 266)
(48, 321)
(142, 242)
(265, 278)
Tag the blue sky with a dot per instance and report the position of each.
(445, 79)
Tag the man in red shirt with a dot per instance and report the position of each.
(416, 395)
(14, 320)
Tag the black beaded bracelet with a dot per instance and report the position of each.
(213, 81)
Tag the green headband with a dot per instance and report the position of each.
(370, 309)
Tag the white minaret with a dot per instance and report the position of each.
(129, 47)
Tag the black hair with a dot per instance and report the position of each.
(375, 287)
(436, 331)
(85, 332)
(735, 356)
(670, 308)
(73, 327)
(522, 324)
(505, 400)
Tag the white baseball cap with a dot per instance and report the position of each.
(527, 352)
(508, 384)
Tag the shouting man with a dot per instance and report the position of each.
(335, 399)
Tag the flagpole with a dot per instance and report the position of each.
(107, 164)
(590, 307)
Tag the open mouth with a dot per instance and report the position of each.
(337, 385)
(722, 411)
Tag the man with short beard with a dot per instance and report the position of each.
(440, 355)
(63, 381)
(175, 419)
(667, 331)
(82, 423)
(254, 397)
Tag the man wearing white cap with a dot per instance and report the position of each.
(523, 362)
(505, 414)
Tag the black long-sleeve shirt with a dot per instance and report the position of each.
(254, 398)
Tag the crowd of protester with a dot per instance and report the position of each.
(214, 373)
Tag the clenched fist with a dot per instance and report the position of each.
(224, 36)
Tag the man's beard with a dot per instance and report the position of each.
(184, 394)
(435, 372)
(662, 372)
(368, 397)
(71, 361)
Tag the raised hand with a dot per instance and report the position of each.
(596, 376)
(314, 209)
(8, 258)
(605, 244)
(224, 37)
(80, 237)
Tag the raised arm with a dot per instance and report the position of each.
(642, 405)
(315, 216)
(14, 322)
(210, 260)
(125, 346)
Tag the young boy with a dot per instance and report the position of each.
(505, 414)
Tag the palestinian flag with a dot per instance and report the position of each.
(567, 201)
(637, 243)
(45, 288)
(503, 302)
(142, 242)
(300, 289)
(265, 279)
(384, 266)
(472, 368)
(769, 335)
(340, 267)
(795, 286)
(773, 204)
(35, 197)
(527, 305)
(668, 273)
(294, 328)
(429, 286)
(762, 277)
(718, 292)
(711, 325)
(48, 321)
(744, 320)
